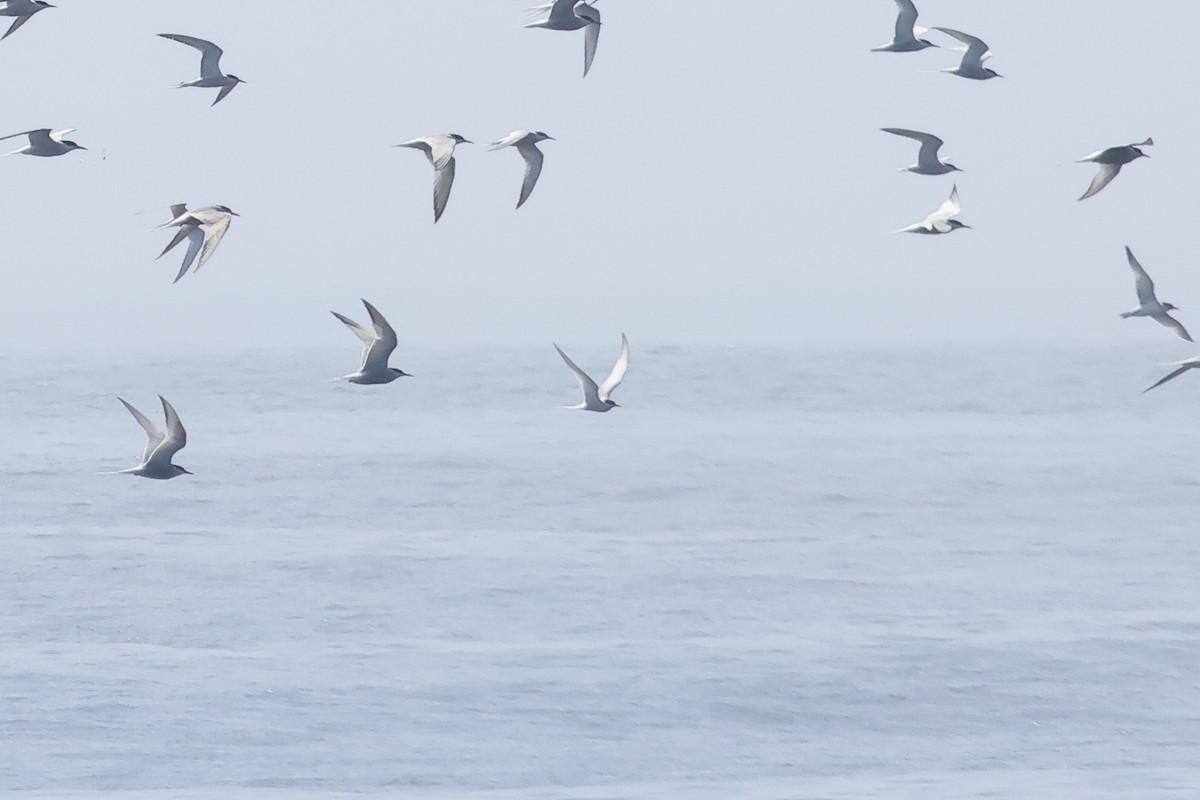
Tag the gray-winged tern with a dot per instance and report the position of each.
(1111, 160)
(211, 76)
(571, 15)
(939, 221)
(1148, 304)
(905, 40)
(976, 53)
(203, 228)
(22, 10)
(928, 162)
(1184, 366)
(526, 144)
(378, 345)
(439, 149)
(44, 142)
(596, 397)
(161, 446)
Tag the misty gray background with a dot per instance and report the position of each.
(719, 177)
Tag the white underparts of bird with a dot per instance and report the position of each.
(976, 53)
(439, 149)
(526, 144)
(928, 162)
(23, 10)
(941, 220)
(44, 142)
(1148, 303)
(161, 446)
(202, 228)
(378, 344)
(571, 15)
(905, 39)
(211, 76)
(1111, 160)
(597, 397)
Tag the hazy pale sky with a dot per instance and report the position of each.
(718, 178)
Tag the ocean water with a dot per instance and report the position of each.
(909, 573)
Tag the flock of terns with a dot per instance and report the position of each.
(907, 39)
(204, 228)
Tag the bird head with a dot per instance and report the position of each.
(541, 137)
(955, 225)
(235, 78)
(460, 139)
(399, 373)
(1170, 307)
(1140, 153)
(992, 72)
(181, 471)
(73, 145)
(227, 210)
(611, 404)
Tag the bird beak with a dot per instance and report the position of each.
(968, 227)
(467, 141)
(234, 213)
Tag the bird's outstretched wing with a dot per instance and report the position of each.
(591, 392)
(1103, 178)
(154, 436)
(617, 373)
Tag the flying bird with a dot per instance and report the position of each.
(905, 40)
(928, 162)
(1184, 366)
(22, 10)
(378, 345)
(1148, 304)
(211, 76)
(571, 15)
(976, 53)
(202, 228)
(526, 144)
(161, 446)
(1111, 160)
(597, 397)
(939, 221)
(439, 149)
(44, 142)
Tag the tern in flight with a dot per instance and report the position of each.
(928, 162)
(439, 149)
(211, 76)
(203, 228)
(378, 345)
(976, 53)
(571, 15)
(526, 144)
(1111, 160)
(44, 142)
(905, 40)
(939, 221)
(596, 397)
(161, 446)
(1148, 304)
(22, 10)
(1184, 366)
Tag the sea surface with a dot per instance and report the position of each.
(862, 573)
